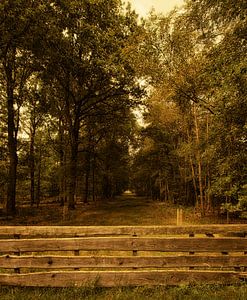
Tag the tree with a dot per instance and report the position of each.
(19, 21)
(193, 58)
(33, 115)
(79, 52)
(88, 63)
(225, 76)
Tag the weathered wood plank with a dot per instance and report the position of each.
(243, 276)
(117, 278)
(177, 244)
(60, 262)
(123, 238)
(56, 231)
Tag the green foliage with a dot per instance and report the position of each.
(67, 64)
(155, 161)
(72, 71)
(196, 58)
(241, 207)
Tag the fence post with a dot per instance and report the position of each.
(179, 216)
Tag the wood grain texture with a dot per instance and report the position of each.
(207, 265)
(176, 244)
(117, 278)
(72, 231)
(65, 262)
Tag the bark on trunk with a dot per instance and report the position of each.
(62, 159)
(72, 178)
(39, 178)
(208, 175)
(93, 178)
(32, 168)
(87, 175)
(74, 134)
(11, 192)
(199, 162)
(12, 143)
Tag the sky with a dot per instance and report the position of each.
(142, 7)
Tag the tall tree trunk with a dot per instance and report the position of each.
(38, 178)
(87, 176)
(62, 161)
(13, 160)
(194, 180)
(74, 139)
(32, 167)
(208, 175)
(193, 173)
(199, 161)
(72, 177)
(93, 177)
(160, 185)
(62, 182)
(12, 139)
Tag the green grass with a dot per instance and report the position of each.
(205, 292)
(123, 210)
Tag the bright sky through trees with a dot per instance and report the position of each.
(142, 7)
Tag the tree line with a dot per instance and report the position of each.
(68, 88)
(74, 72)
(194, 149)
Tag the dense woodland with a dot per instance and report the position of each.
(75, 78)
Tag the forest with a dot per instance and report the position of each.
(95, 100)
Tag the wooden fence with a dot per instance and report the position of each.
(61, 256)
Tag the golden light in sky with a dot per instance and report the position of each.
(142, 7)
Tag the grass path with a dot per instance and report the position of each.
(127, 209)
(123, 210)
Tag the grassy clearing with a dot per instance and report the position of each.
(207, 292)
(125, 210)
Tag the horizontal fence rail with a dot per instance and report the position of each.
(61, 256)
(81, 231)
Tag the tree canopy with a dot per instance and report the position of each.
(73, 74)
(196, 63)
